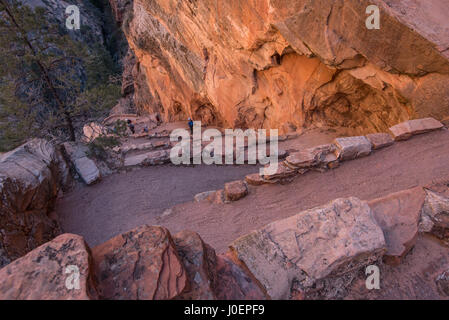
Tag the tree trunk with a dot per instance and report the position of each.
(45, 73)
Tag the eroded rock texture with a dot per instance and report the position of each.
(30, 179)
(141, 264)
(58, 270)
(315, 253)
(289, 64)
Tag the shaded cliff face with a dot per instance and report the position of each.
(289, 64)
(30, 178)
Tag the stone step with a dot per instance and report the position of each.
(148, 159)
(405, 130)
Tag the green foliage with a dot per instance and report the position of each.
(50, 84)
(98, 148)
(120, 128)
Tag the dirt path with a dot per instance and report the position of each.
(422, 161)
(124, 201)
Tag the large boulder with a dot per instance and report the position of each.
(31, 177)
(398, 215)
(141, 264)
(317, 252)
(405, 130)
(435, 216)
(58, 270)
(200, 261)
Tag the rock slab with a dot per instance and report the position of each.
(313, 248)
(350, 148)
(398, 215)
(435, 216)
(405, 130)
(49, 272)
(142, 264)
(88, 170)
(380, 140)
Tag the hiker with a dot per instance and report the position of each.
(190, 123)
(131, 126)
(145, 129)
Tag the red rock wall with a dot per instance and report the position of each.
(289, 64)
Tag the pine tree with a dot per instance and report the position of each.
(47, 80)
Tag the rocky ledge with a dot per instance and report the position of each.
(316, 254)
(31, 177)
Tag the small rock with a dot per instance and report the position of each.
(330, 161)
(352, 147)
(204, 196)
(167, 212)
(380, 140)
(325, 156)
(219, 197)
(93, 130)
(405, 130)
(282, 153)
(43, 274)
(87, 169)
(255, 179)
(235, 190)
(435, 216)
(116, 149)
(282, 172)
(141, 264)
(398, 215)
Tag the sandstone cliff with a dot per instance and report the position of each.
(289, 64)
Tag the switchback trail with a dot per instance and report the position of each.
(126, 200)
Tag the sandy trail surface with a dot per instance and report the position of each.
(126, 200)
